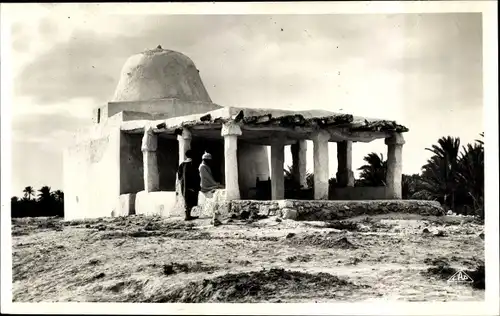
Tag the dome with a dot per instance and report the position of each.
(159, 74)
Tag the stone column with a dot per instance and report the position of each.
(230, 132)
(299, 158)
(394, 177)
(184, 144)
(321, 170)
(277, 169)
(184, 141)
(345, 176)
(150, 161)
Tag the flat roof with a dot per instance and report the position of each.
(298, 124)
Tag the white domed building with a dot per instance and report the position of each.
(126, 162)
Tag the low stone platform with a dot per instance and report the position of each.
(330, 210)
(169, 204)
(208, 203)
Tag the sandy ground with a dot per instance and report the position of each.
(151, 259)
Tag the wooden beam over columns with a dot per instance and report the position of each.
(296, 132)
(339, 135)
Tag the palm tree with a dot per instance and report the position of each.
(44, 194)
(471, 175)
(480, 141)
(310, 180)
(46, 202)
(58, 195)
(288, 172)
(28, 192)
(373, 173)
(439, 174)
(293, 188)
(289, 176)
(430, 186)
(409, 185)
(15, 207)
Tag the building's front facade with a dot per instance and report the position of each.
(127, 161)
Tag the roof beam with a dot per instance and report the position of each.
(362, 137)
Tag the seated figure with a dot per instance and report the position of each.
(208, 183)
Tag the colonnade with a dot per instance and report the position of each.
(231, 131)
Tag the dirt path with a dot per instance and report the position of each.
(148, 259)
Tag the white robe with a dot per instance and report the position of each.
(208, 182)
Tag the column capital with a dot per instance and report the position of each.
(395, 139)
(320, 136)
(149, 140)
(185, 134)
(231, 128)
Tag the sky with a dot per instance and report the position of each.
(422, 70)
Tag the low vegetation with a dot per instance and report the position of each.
(46, 203)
